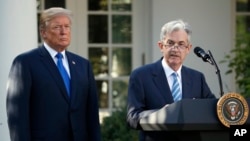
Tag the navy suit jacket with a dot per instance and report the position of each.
(149, 90)
(38, 107)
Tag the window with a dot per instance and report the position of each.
(110, 49)
(242, 17)
(109, 45)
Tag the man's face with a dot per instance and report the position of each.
(175, 48)
(58, 33)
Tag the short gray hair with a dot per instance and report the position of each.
(175, 26)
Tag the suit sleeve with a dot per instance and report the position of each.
(206, 90)
(18, 93)
(93, 109)
(136, 107)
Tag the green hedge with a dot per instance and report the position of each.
(115, 128)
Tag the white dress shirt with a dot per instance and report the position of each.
(168, 72)
(53, 53)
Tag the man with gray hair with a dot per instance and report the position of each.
(165, 81)
(51, 93)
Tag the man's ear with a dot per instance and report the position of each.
(189, 47)
(43, 34)
(160, 45)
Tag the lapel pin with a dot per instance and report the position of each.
(73, 62)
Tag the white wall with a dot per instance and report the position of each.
(18, 34)
(211, 21)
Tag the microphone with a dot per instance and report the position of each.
(201, 53)
(209, 58)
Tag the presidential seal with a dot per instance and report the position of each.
(232, 109)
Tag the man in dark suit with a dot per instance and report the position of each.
(155, 85)
(41, 106)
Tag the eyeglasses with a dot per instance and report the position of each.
(171, 45)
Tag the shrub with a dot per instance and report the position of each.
(115, 128)
(238, 62)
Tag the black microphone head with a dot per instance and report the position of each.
(198, 51)
(201, 53)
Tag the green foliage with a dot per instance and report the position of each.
(239, 62)
(115, 128)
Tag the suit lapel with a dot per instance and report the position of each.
(72, 67)
(51, 66)
(185, 82)
(161, 82)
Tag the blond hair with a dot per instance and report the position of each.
(50, 13)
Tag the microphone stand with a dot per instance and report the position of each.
(217, 72)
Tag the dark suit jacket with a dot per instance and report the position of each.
(38, 107)
(149, 90)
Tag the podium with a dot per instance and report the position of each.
(196, 115)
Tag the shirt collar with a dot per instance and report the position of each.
(51, 51)
(168, 70)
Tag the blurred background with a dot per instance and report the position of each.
(118, 36)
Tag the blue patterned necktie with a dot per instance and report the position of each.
(63, 72)
(176, 91)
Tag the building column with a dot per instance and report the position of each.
(18, 33)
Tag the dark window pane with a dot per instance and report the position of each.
(242, 25)
(121, 5)
(102, 88)
(98, 29)
(119, 93)
(243, 5)
(54, 3)
(121, 62)
(121, 26)
(99, 61)
(96, 5)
